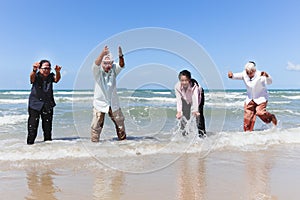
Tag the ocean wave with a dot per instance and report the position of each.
(215, 95)
(16, 92)
(73, 99)
(234, 95)
(224, 104)
(57, 99)
(291, 97)
(284, 91)
(287, 112)
(280, 102)
(13, 101)
(74, 92)
(17, 97)
(12, 119)
(164, 93)
(161, 99)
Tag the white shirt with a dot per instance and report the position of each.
(105, 93)
(256, 87)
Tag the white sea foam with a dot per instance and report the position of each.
(159, 99)
(57, 98)
(71, 92)
(164, 93)
(42, 151)
(292, 112)
(291, 97)
(12, 119)
(16, 93)
(224, 104)
(280, 102)
(73, 99)
(14, 149)
(13, 101)
(234, 95)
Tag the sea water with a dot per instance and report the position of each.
(151, 127)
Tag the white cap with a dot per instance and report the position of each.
(250, 66)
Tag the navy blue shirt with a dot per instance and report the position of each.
(41, 94)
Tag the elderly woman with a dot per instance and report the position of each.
(257, 95)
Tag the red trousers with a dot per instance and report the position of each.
(251, 110)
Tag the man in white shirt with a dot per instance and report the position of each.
(257, 95)
(105, 94)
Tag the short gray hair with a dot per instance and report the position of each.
(250, 66)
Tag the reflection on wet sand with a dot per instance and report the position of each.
(192, 178)
(225, 175)
(40, 184)
(258, 169)
(195, 182)
(108, 185)
(97, 184)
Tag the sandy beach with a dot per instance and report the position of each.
(267, 174)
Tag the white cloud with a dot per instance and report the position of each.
(293, 67)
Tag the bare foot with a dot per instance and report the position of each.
(274, 120)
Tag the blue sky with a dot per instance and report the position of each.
(232, 32)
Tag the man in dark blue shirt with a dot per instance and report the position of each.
(41, 100)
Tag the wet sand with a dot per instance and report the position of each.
(269, 174)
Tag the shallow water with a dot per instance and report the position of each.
(151, 127)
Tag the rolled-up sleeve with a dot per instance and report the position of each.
(195, 99)
(237, 76)
(96, 70)
(178, 98)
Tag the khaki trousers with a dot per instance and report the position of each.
(98, 121)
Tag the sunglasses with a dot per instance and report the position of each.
(107, 62)
(46, 68)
